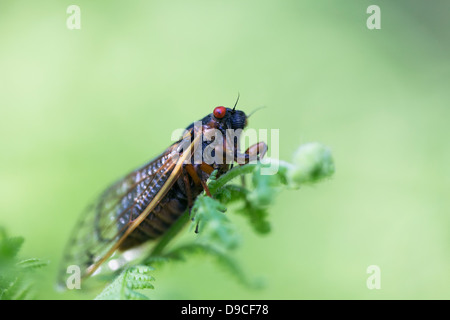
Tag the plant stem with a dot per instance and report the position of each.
(230, 175)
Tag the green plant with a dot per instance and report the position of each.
(16, 280)
(218, 237)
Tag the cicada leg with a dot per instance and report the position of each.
(254, 152)
(196, 173)
(257, 150)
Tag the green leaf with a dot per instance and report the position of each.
(16, 282)
(19, 290)
(31, 264)
(125, 285)
(230, 193)
(9, 247)
(265, 188)
(312, 162)
(212, 223)
(257, 217)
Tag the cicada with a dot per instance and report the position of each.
(144, 204)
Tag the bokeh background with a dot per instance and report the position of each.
(80, 108)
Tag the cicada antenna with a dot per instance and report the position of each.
(236, 102)
(259, 108)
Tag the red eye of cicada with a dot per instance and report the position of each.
(219, 112)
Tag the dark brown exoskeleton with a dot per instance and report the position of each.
(145, 203)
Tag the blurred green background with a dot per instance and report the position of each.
(80, 108)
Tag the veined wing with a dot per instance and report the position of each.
(103, 222)
(120, 209)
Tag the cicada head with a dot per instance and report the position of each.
(227, 118)
(223, 118)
